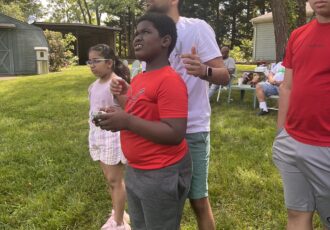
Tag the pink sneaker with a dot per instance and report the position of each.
(112, 225)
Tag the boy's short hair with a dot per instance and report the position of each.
(164, 25)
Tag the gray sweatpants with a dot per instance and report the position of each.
(156, 197)
(305, 170)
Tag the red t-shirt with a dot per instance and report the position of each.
(153, 96)
(308, 55)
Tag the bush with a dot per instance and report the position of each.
(60, 50)
(242, 53)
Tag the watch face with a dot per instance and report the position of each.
(209, 72)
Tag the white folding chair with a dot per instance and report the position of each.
(232, 76)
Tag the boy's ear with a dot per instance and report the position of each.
(166, 41)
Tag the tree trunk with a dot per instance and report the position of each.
(133, 31)
(281, 26)
(129, 32)
(124, 34)
(248, 12)
(82, 11)
(98, 15)
(120, 53)
(217, 25)
(88, 12)
(233, 28)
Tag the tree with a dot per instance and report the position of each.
(60, 50)
(287, 15)
(230, 20)
(281, 26)
(12, 10)
(21, 9)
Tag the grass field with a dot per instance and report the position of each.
(48, 181)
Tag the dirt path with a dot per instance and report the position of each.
(7, 78)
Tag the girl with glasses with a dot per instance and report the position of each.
(104, 146)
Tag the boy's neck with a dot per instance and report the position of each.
(157, 63)
(322, 19)
(174, 14)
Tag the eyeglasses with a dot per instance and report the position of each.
(95, 61)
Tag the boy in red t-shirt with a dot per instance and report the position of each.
(301, 149)
(153, 127)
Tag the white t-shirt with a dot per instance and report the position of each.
(195, 32)
(278, 70)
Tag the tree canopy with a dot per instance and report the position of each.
(21, 9)
(229, 18)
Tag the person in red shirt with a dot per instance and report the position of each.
(301, 149)
(153, 127)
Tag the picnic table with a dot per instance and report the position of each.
(243, 88)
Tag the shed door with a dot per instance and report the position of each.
(6, 59)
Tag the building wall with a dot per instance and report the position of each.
(27, 39)
(264, 42)
(22, 41)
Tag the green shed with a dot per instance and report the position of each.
(18, 41)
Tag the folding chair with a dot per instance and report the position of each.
(232, 76)
(275, 98)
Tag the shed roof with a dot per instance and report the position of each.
(8, 22)
(268, 17)
(75, 26)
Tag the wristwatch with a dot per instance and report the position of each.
(209, 71)
(208, 74)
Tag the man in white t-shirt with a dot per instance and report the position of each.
(269, 87)
(229, 63)
(198, 60)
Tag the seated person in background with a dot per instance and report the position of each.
(229, 63)
(269, 87)
(253, 78)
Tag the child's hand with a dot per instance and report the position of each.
(114, 120)
(193, 64)
(118, 86)
(95, 116)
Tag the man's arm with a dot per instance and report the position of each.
(220, 74)
(284, 101)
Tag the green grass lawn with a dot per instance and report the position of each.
(48, 180)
